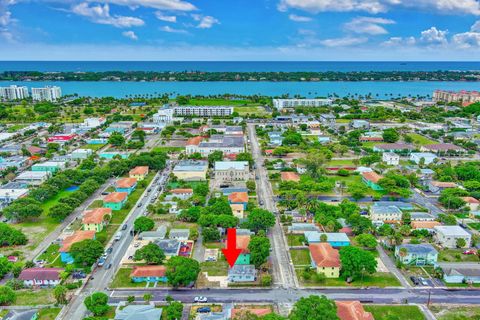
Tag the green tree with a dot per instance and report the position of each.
(245, 156)
(147, 297)
(260, 219)
(86, 252)
(60, 294)
(390, 135)
(366, 240)
(10, 236)
(259, 248)
(461, 243)
(142, 224)
(174, 310)
(182, 271)
(356, 261)
(251, 186)
(151, 253)
(215, 156)
(7, 295)
(22, 209)
(191, 214)
(5, 266)
(210, 234)
(60, 211)
(97, 303)
(116, 139)
(314, 308)
(357, 190)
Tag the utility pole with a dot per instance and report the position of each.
(429, 297)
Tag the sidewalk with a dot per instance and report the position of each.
(391, 267)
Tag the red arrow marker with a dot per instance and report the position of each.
(231, 252)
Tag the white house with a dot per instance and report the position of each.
(33, 178)
(391, 158)
(447, 236)
(427, 156)
(41, 277)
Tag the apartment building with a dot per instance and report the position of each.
(466, 97)
(293, 103)
(14, 93)
(203, 111)
(48, 93)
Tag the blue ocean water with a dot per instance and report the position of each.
(380, 89)
(235, 66)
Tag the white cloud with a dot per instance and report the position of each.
(399, 41)
(174, 5)
(376, 6)
(368, 25)
(130, 34)
(6, 20)
(475, 27)
(205, 22)
(166, 18)
(434, 36)
(298, 18)
(172, 30)
(101, 14)
(467, 40)
(343, 42)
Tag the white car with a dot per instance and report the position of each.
(200, 299)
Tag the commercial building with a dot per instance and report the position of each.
(48, 93)
(191, 170)
(163, 116)
(49, 166)
(443, 149)
(7, 196)
(81, 153)
(231, 171)
(447, 236)
(228, 144)
(465, 97)
(464, 272)
(280, 104)
(13, 93)
(203, 111)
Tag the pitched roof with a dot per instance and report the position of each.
(441, 184)
(78, 236)
(289, 176)
(442, 147)
(41, 274)
(96, 215)
(148, 271)
(181, 191)
(126, 183)
(324, 255)
(139, 170)
(395, 146)
(470, 200)
(194, 141)
(424, 224)
(352, 310)
(115, 197)
(242, 243)
(236, 206)
(238, 197)
(372, 176)
(423, 248)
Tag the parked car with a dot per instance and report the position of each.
(124, 227)
(108, 266)
(415, 280)
(105, 193)
(470, 251)
(204, 310)
(139, 205)
(423, 281)
(101, 261)
(109, 250)
(200, 299)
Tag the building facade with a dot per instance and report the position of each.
(48, 93)
(14, 93)
(203, 111)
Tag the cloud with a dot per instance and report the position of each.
(205, 22)
(172, 30)
(101, 14)
(298, 18)
(163, 17)
(343, 42)
(174, 5)
(399, 41)
(368, 25)
(434, 36)
(475, 27)
(468, 40)
(451, 7)
(130, 34)
(6, 20)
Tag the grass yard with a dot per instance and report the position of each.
(15, 128)
(51, 254)
(94, 147)
(48, 313)
(474, 225)
(421, 140)
(378, 279)
(371, 144)
(455, 255)
(300, 258)
(346, 162)
(250, 110)
(395, 312)
(122, 280)
(30, 297)
(295, 239)
(455, 312)
(168, 149)
(96, 204)
(219, 102)
(215, 268)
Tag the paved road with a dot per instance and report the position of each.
(425, 202)
(283, 271)
(101, 276)
(391, 267)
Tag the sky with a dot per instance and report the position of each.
(259, 30)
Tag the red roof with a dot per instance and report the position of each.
(242, 243)
(41, 274)
(236, 197)
(424, 224)
(372, 176)
(371, 139)
(290, 176)
(126, 183)
(148, 271)
(352, 310)
(194, 141)
(96, 216)
(140, 170)
(181, 191)
(78, 236)
(115, 197)
(442, 147)
(324, 255)
(470, 200)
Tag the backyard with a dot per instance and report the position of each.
(456, 255)
(420, 140)
(395, 312)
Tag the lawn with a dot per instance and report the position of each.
(295, 240)
(455, 255)
(456, 313)
(420, 140)
(94, 147)
(15, 128)
(122, 280)
(474, 225)
(50, 254)
(219, 102)
(96, 204)
(395, 312)
(378, 279)
(30, 297)
(250, 110)
(371, 144)
(300, 258)
(346, 162)
(215, 268)
(48, 313)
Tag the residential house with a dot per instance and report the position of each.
(464, 272)
(67, 243)
(191, 170)
(385, 214)
(325, 259)
(139, 172)
(437, 186)
(427, 157)
(115, 200)
(15, 161)
(97, 141)
(41, 277)
(447, 236)
(289, 176)
(238, 198)
(421, 216)
(126, 185)
(135, 312)
(300, 228)
(425, 225)
(352, 310)
(226, 171)
(158, 234)
(109, 155)
(96, 219)
(359, 124)
(371, 180)
(238, 210)
(149, 274)
(394, 147)
(390, 158)
(328, 120)
(242, 273)
(7, 196)
(416, 254)
(443, 148)
(49, 166)
(335, 239)
(242, 244)
(275, 138)
(179, 234)
(33, 178)
(81, 154)
(472, 203)
(182, 194)
(171, 247)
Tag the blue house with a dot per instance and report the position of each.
(111, 155)
(67, 243)
(465, 272)
(127, 185)
(115, 129)
(335, 239)
(97, 141)
(242, 273)
(149, 274)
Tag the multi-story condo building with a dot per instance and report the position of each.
(163, 115)
(13, 93)
(203, 111)
(293, 103)
(466, 97)
(48, 93)
(229, 145)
